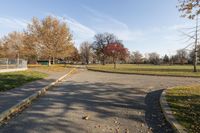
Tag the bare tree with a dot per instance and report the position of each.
(192, 54)
(191, 9)
(137, 57)
(85, 52)
(182, 56)
(154, 58)
(101, 41)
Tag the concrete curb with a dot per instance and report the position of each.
(141, 74)
(16, 108)
(169, 115)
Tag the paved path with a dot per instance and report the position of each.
(12, 97)
(114, 103)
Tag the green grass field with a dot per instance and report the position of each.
(185, 105)
(52, 68)
(12, 80)
(174, 70)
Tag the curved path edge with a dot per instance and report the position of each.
(17, 107)
(142, 74)
(169, 115)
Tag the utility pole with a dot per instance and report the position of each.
(195, 46)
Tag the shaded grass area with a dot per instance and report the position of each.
(174, 70)
(12, 80)
(185, 105)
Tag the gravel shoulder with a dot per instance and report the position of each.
(111, 102)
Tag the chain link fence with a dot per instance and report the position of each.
(12, 63)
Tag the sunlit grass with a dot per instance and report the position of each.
(52, 68)
(12, 80)
(185, 104)
(174, 70)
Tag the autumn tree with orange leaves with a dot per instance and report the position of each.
(51, 37)
(12, 45)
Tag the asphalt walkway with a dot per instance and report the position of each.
(94, 102)
(12, 97)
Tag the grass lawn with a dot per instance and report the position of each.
(12, 80)
(175, 70)
(185, 104)
(52, 68)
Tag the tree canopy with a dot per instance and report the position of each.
(116, 51)
(100, 42)
(189, 8)
(49, 38)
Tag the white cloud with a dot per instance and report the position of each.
(146, 39)
(159, 39)
(177, 27)
(11, 24)
(165, 39)
(80, 31)
(104, 23)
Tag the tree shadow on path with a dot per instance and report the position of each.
(154, 117)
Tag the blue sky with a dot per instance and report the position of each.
(147, 26)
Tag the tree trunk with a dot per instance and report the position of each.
(87, 61)
(53, 60)
(49, 61)
(114, 62)
(114, 65)
(103, 60)
(195, 60)
(103, 63)
(195, 47)
(17, 60)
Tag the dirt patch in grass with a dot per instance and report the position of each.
(12, 80)
(185, 105)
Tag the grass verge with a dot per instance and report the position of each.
(185, 105)
(162, 70)
(12, 80)
(52, 68)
